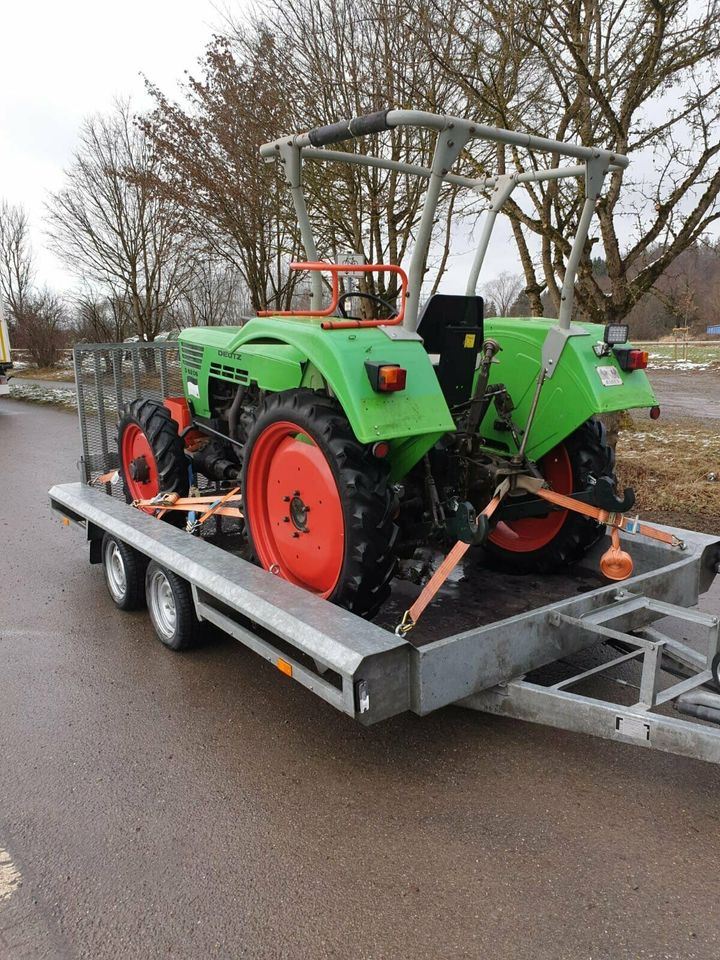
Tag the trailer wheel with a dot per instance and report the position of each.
(543, 544)
(318, 504)
(171, 608)
(124, 570)
(152, 455)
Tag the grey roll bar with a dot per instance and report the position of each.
(453, 134)
(349, 129)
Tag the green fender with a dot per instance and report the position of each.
(280, 354)
(574, 393)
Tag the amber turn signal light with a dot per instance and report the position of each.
(385, 377)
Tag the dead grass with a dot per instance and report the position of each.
(668, 464)
(46, 373)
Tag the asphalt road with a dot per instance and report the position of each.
(158, 805)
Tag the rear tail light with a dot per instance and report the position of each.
(630, 359)
(386, 377)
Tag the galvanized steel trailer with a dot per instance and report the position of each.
(508, 667)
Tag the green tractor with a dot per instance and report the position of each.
(357, 441)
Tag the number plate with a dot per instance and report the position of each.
(609, 376)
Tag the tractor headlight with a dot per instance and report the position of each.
(616, 333)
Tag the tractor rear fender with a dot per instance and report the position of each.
(582, 386)
(280, 354)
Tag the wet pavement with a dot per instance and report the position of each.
(687, 394)
(203, 805)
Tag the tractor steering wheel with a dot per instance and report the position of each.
(367, 296)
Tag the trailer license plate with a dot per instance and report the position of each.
(609, 376)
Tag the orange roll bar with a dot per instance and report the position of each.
(334, 269)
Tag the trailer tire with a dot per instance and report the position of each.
(171, 608)
(124, 570)
(584, 454)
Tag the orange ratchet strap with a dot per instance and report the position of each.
(619, 520)
(218, 505)
(427, 594)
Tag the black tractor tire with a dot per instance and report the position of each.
(364, 491)
(164, 589)
(124, 570)
(161, 432)
(590, 456)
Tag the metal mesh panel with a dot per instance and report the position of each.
(108, 377)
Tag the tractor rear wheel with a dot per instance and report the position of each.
(560, 538)
(318, 504)
(152, 455)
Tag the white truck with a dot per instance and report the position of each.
(5, 361)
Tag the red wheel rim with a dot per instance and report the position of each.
(135, 446)
(294, 509)
(534, 533)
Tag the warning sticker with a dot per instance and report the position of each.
(609, 376)
(469, 340)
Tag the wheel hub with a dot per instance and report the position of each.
(139, 469)
(298, 513)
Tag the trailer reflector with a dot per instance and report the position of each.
(284, 667)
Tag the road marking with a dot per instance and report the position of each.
(9, 876)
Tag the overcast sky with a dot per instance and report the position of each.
(62, 60)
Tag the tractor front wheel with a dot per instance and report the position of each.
(560, 537)
(318, 505)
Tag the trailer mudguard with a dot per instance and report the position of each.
(280, 354)
(582, 386)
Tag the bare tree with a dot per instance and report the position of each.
(208, 148)
(16, 259)
(638, 78)
(42, 328)
(111, 227)
(215, 294)
(502, 292)
(37, 317)
(294, 67)
(344, 58)
(101, 319)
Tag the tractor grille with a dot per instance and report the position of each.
(229, 373)
(109, 376)
(191, 356)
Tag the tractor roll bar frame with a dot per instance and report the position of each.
(335, 269)
(453, 134)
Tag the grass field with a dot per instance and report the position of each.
(669, 464)
(667, 356)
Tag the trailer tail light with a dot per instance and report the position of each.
(630, 359)
(655, 413)
(386, 377)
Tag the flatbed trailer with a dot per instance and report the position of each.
(596, 660)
